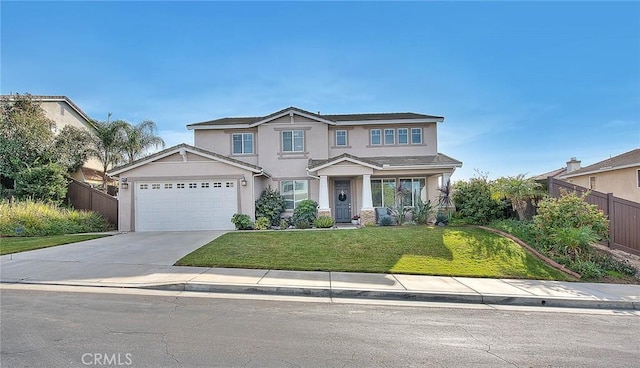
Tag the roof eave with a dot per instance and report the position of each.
(596, 171)
(389, 122)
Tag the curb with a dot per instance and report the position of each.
(496, 299)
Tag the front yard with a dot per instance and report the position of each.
(23, 244)
(447, 251)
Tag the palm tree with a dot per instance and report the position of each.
(139, 138)
(519, 190)
(106, 145)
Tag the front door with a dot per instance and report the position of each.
(343, 200)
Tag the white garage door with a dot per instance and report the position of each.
(185, 205)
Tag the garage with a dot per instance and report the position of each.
(180, 205)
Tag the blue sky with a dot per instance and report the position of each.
(523, 86)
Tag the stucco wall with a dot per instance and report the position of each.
(172, 168)
(622, 183)
(358, 141)
(62, 114)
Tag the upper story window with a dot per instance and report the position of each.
(416, 135)
(592, 182)
(638, 178)
(389, 136)
(293, 141)
(341, 137)
(242, 143)
(403, 136)
(376, 136)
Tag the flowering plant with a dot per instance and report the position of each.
(355, 217)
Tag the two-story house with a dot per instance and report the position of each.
(350, 164)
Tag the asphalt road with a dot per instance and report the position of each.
(73, 329)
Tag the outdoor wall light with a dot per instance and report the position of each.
(125, 184)
(243, 182)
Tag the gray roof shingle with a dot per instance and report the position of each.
(623, 160)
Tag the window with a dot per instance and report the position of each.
(293, 141)
(413, 189)
(375, 137)
(592, 182)
(180, 186)
(168, 186)
(416, 135)
(242, 143)
(229, 184)
(293, 192)
(638, 178)
(389, 136)
(217, 185)
(144, 186)
(341, 137)
(403, 136)
(155, 186)
(193, 185)
(383, 192)
(204, 185)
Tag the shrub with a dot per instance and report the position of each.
(306, 210)
(302, 224)
(46, 183)
(262, 223)
(423, 211)
(285, 223)
(573, 242)
(33, 218)
(323, 222)
(474, 201)
(588, 269)
(270, 205)
(242, 221)
(442, 218)
(570, 211)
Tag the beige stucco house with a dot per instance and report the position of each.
(619, 175)
(350, 164)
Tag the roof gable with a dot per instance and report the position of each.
(63, 99)
(183, 149)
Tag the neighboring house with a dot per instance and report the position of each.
(619, 175)
(350, 164)
(62, 111)
(572, 165)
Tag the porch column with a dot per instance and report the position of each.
(323, 200)
(366, 192)
(367, 213)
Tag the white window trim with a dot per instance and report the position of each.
(371, 137)
(421, 136)
(293, 181)
(242, 146)
(346, 138)
(384, 140)
(408, 138)
(293, 141)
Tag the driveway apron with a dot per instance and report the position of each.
(144, 255)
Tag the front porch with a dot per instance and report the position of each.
(350, 186)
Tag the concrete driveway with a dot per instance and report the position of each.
(112, 257)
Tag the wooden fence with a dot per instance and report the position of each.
(624, 215)
(84, 197)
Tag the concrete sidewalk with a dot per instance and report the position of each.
(325, 284)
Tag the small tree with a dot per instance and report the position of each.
(72, 147)
(570, 211)
(47, 183)
(519, 190)
(270, 205)
(445, 198)
(26, 135)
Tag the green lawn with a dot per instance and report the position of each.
(451, 251)
(22, 244)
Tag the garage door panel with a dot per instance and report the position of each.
(185, 205)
